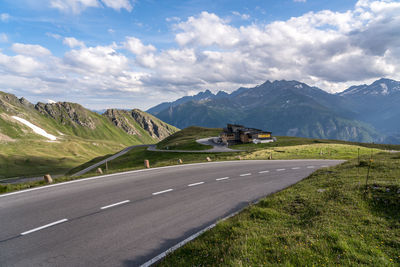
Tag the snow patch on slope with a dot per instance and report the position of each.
(384, 89)
(36, 129)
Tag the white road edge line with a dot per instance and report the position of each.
(245, 174)
(190, 238)
(295, 168)
(310, 167)
(115, 204)
(44, 226)
(279, 170)
(162, 192)
(223, 178)
(199, 183)
(263, 171)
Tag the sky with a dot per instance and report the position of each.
(139, 53)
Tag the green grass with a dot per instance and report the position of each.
(27, 158)
(134, 159)
(306, 226)
(186, 139)
(294, 141)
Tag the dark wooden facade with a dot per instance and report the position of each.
(236, 134)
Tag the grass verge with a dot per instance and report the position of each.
(284, 141)
(186, 139)
(330, 218)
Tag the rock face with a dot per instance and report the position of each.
(68, 114)
(131, 121)
(119, 118)
(155, 127)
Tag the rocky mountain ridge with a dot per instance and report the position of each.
(130, 120)
(289, 108)
(65, 119)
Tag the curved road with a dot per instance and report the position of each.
(122, 152)
(217, 148)
(126, 219)
(204, 141)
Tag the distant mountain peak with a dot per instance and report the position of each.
(381, 87)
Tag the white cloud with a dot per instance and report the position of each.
(99, 59)
(242, 16)
(19, 64)
(30, 50)
(300, 1)
(73, 6)
(327, 49)
(205, 30)
(72, 42)
(118, 4)
(4, 17)
(54, 35)
(77, 6)
(135, 46)
(3, 38)
(173, 19)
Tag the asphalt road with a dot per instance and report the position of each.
(122, 152)
(127, 219)
(217, 148)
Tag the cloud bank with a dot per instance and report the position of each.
(327, 49)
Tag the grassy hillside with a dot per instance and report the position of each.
(81, 136)
(294, 141)
(186, 138)
(31, 157)
(328, 219)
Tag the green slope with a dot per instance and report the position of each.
(81, 136)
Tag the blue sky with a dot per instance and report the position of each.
(128, 54)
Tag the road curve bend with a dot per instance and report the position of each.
(127, 219)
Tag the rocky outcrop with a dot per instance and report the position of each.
(119, 118)
(68, 114)
(130, 121)
(155, 127)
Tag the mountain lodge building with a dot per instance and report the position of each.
(238, 134)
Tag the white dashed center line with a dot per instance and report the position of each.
(263, 171)
(162, 192)
(279, 170)
(324, 166)
(220, 179)
(115, 204)
(44, 226)
(199, 183)
(295, 168)
(245, 174)
(310, 167)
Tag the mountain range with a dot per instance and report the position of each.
(365, 113)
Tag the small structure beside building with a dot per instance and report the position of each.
(238, 134)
